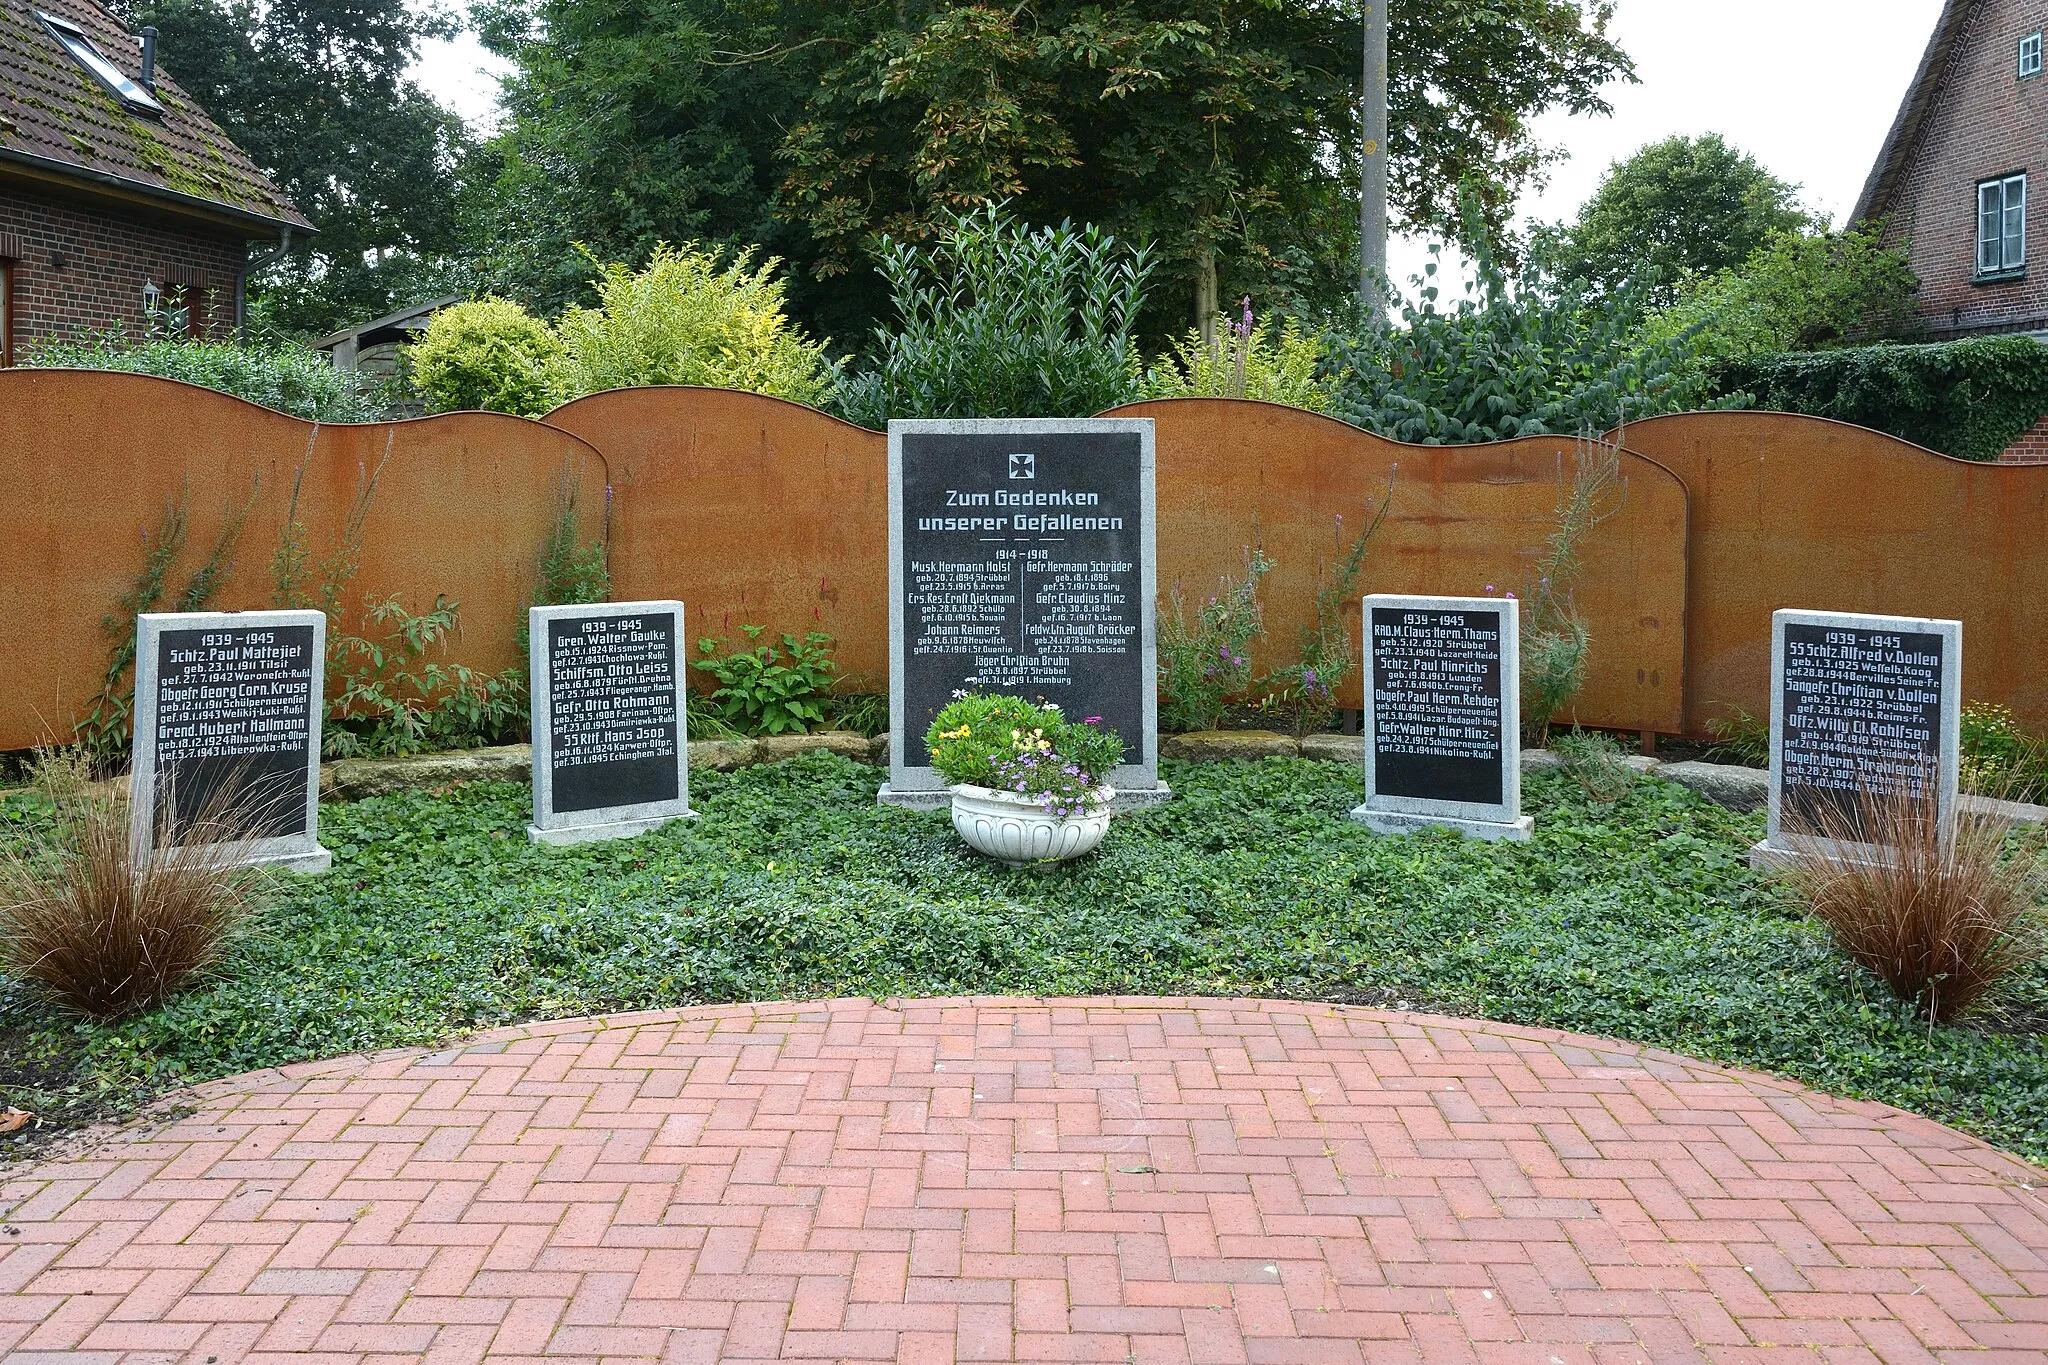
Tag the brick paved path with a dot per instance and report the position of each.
(1131, 1180)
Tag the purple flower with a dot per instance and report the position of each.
(1309, 676)
(1092, 720)
(1511, 597)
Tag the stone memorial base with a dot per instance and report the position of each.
(1494, 831)
(564, 835)
(317, 860)
(1766, 856)
(1127, 798)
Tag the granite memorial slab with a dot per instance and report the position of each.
(1443, 717)
(611, 754)
(227, 734)
(1862, 707)
(1022, 560)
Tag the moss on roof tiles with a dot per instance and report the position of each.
(55, 110)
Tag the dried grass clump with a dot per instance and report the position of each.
(1942, 916)
(104, 932)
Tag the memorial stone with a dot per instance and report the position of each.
(1021, 560)
(227, 733)
(1861, 707)
(611, 755)
(1443, 717)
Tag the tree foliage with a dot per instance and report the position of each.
(487, 355)
(1682, 207)
(1225, 131)
(1547, 355)
(1799, 292)
(315, 91)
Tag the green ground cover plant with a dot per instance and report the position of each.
(1639, 920)
(778, 687)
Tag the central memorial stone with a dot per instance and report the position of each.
(1443, 716)
(611, 754)
(227, 734)
(1862, 707)
(1022, 560)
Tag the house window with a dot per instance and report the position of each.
(74, 41)
(2030, 55)
(2002, 227)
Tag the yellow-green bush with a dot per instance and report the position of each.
(1277, 365)
(691, 318)
(487, 353)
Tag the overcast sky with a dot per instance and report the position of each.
(1808, 87)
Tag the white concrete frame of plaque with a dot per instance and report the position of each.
(1780, 845)
(1028, 447)
(661, 782)
(1407, 792)
(161, 638)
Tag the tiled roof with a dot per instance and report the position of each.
(59, 119)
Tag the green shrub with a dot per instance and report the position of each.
(996, 319)
(1970, 399)
(770, 689)
(487, 355)
(2000, 756)
(280, 376)
(1596, 762)
(691, 317)
(1530, 357)
(1800, 292)
(1205, 659)
(1245, 359)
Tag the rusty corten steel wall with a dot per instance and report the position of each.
(1462, 518)
(1792, 511)
(91, 461)
(758, 511)
(751, 510)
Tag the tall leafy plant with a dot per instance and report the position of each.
(998, 319)
(1538, 356)
(1555, 637)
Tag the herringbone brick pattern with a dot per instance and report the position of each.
(1094, 1180)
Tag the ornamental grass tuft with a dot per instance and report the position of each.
(1941, 914)
(101, 928)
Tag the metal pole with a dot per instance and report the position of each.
(1372, 266)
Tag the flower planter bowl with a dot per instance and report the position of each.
(1018, 832)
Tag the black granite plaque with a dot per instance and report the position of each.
(1861, 712)
(1022, 573)
(612, 711)
(1436, 697)
(234, 735)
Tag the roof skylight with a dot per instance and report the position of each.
(73, 40)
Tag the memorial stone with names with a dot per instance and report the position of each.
(227, 733)
(1861, 707)
(610, 736)
(1021, 560)
(1443, 717)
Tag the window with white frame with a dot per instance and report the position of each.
(2002, 227)
(2030, 55)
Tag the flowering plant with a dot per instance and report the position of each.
(1009, 744)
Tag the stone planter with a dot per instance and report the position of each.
(1018, 832)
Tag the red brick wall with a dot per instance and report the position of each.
(2031, 448)
(1984, 123)
(107, 255)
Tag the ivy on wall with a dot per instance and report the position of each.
(1970, 399)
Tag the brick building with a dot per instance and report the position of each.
(122, 206)
(1962, 178)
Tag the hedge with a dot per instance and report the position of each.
(1970, 399)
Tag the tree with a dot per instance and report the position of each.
(1682, 207)
(1799, 292)
(315, 92)
(1225, 131)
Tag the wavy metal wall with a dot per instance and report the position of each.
(755, 511)
(91, 462)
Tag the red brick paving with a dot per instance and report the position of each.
(1101, 1180)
